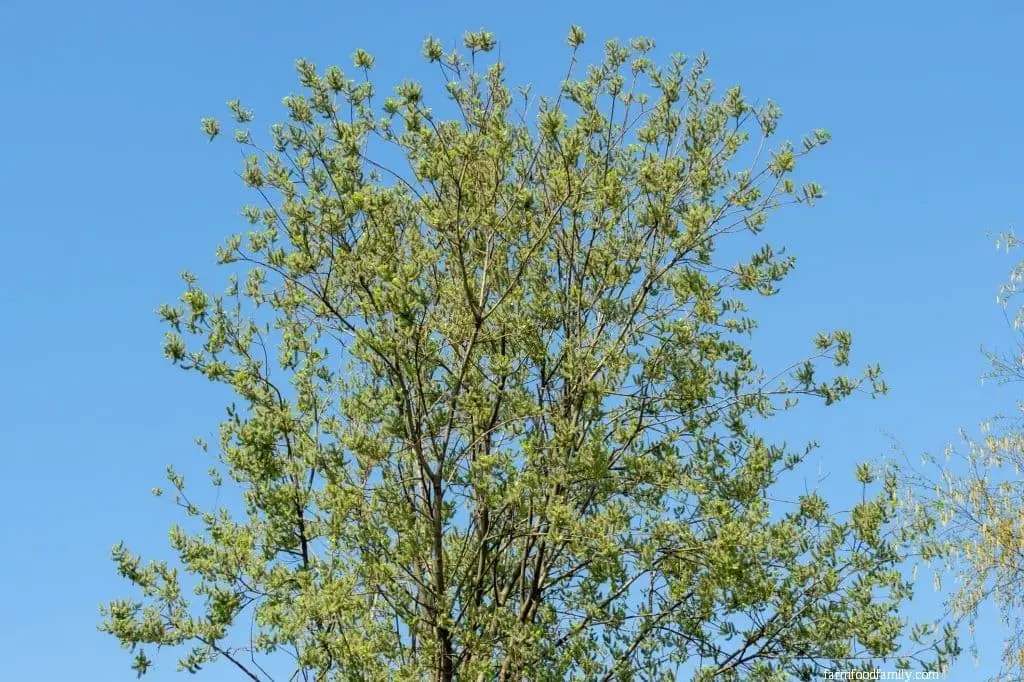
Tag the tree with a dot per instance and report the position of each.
(968, 508)
(507, 434)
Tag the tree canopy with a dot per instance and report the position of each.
(497, 405)
(968, 506)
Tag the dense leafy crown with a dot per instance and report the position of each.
(507, 432)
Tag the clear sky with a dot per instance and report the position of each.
(109, 190)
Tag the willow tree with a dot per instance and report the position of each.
(507, 430)
(969, 505)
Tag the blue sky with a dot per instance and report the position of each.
(109, 190)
